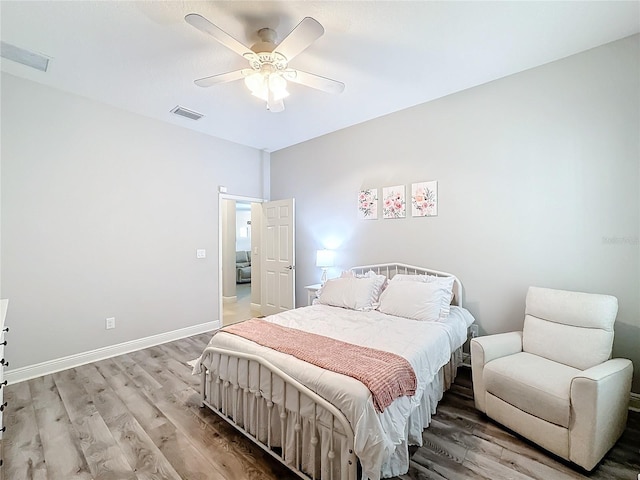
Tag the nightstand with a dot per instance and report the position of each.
(312, 291)
(472, 333)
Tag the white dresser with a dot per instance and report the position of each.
(4, 303)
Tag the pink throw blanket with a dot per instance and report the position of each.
(385, 374)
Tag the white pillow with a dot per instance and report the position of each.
(417, 300)
(402, 277)
(352, 292)
(380, 284)
(446, 283)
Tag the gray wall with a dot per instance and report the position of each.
(538, 185)
(102, 213)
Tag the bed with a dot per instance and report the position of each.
(327, 425)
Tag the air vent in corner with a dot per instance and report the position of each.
(25, 57)
(185, 112)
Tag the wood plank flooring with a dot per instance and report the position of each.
(137, 416)
(241, 309)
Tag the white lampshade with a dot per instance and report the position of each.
(324, 258)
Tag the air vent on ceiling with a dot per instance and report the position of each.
(25, 57)
(185, 112)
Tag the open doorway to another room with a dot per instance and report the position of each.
(240, 262)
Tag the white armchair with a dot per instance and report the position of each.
(554, 382)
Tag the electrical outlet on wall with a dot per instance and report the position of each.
(110, 323)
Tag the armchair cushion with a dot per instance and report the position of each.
(572, 308)
(242, 257)
(573, 328)
(517, 380)
(243, 266)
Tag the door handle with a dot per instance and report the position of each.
(289, 267)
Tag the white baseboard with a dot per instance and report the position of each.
(634, 403)
(233, 299)
(32, 371)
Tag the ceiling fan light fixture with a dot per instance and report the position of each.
(256, 83)
(267, 86)
(278, 86)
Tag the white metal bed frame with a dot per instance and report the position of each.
(233, 400)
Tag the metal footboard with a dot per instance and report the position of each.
(293, 424)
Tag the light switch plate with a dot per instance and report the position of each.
(201, 253)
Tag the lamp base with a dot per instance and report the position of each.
(323, 279)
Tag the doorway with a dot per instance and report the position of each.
(239, 259)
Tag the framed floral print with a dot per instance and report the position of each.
(368, 204)
(393, 202)
(424, 199)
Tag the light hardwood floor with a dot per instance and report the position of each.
(137, 416)
(240, 309)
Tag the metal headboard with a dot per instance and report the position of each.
(391, 269)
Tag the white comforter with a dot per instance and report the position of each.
(426, 345)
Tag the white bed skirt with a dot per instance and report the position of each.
(315, 444)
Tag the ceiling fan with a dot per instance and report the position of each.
(269, 62)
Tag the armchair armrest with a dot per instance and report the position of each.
(491, 347)
(485, 349)
(599, 407)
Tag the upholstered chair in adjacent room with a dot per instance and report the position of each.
(555, 382)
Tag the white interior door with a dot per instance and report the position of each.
(226, 251)
(278, 258)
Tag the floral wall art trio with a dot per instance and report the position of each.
(423, 201)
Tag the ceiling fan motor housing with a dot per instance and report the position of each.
(268, 60)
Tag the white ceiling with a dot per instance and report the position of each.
(143, 57)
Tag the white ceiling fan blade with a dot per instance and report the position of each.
(222, 78)
(314, 81)
(305, 33)
(204, 25)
